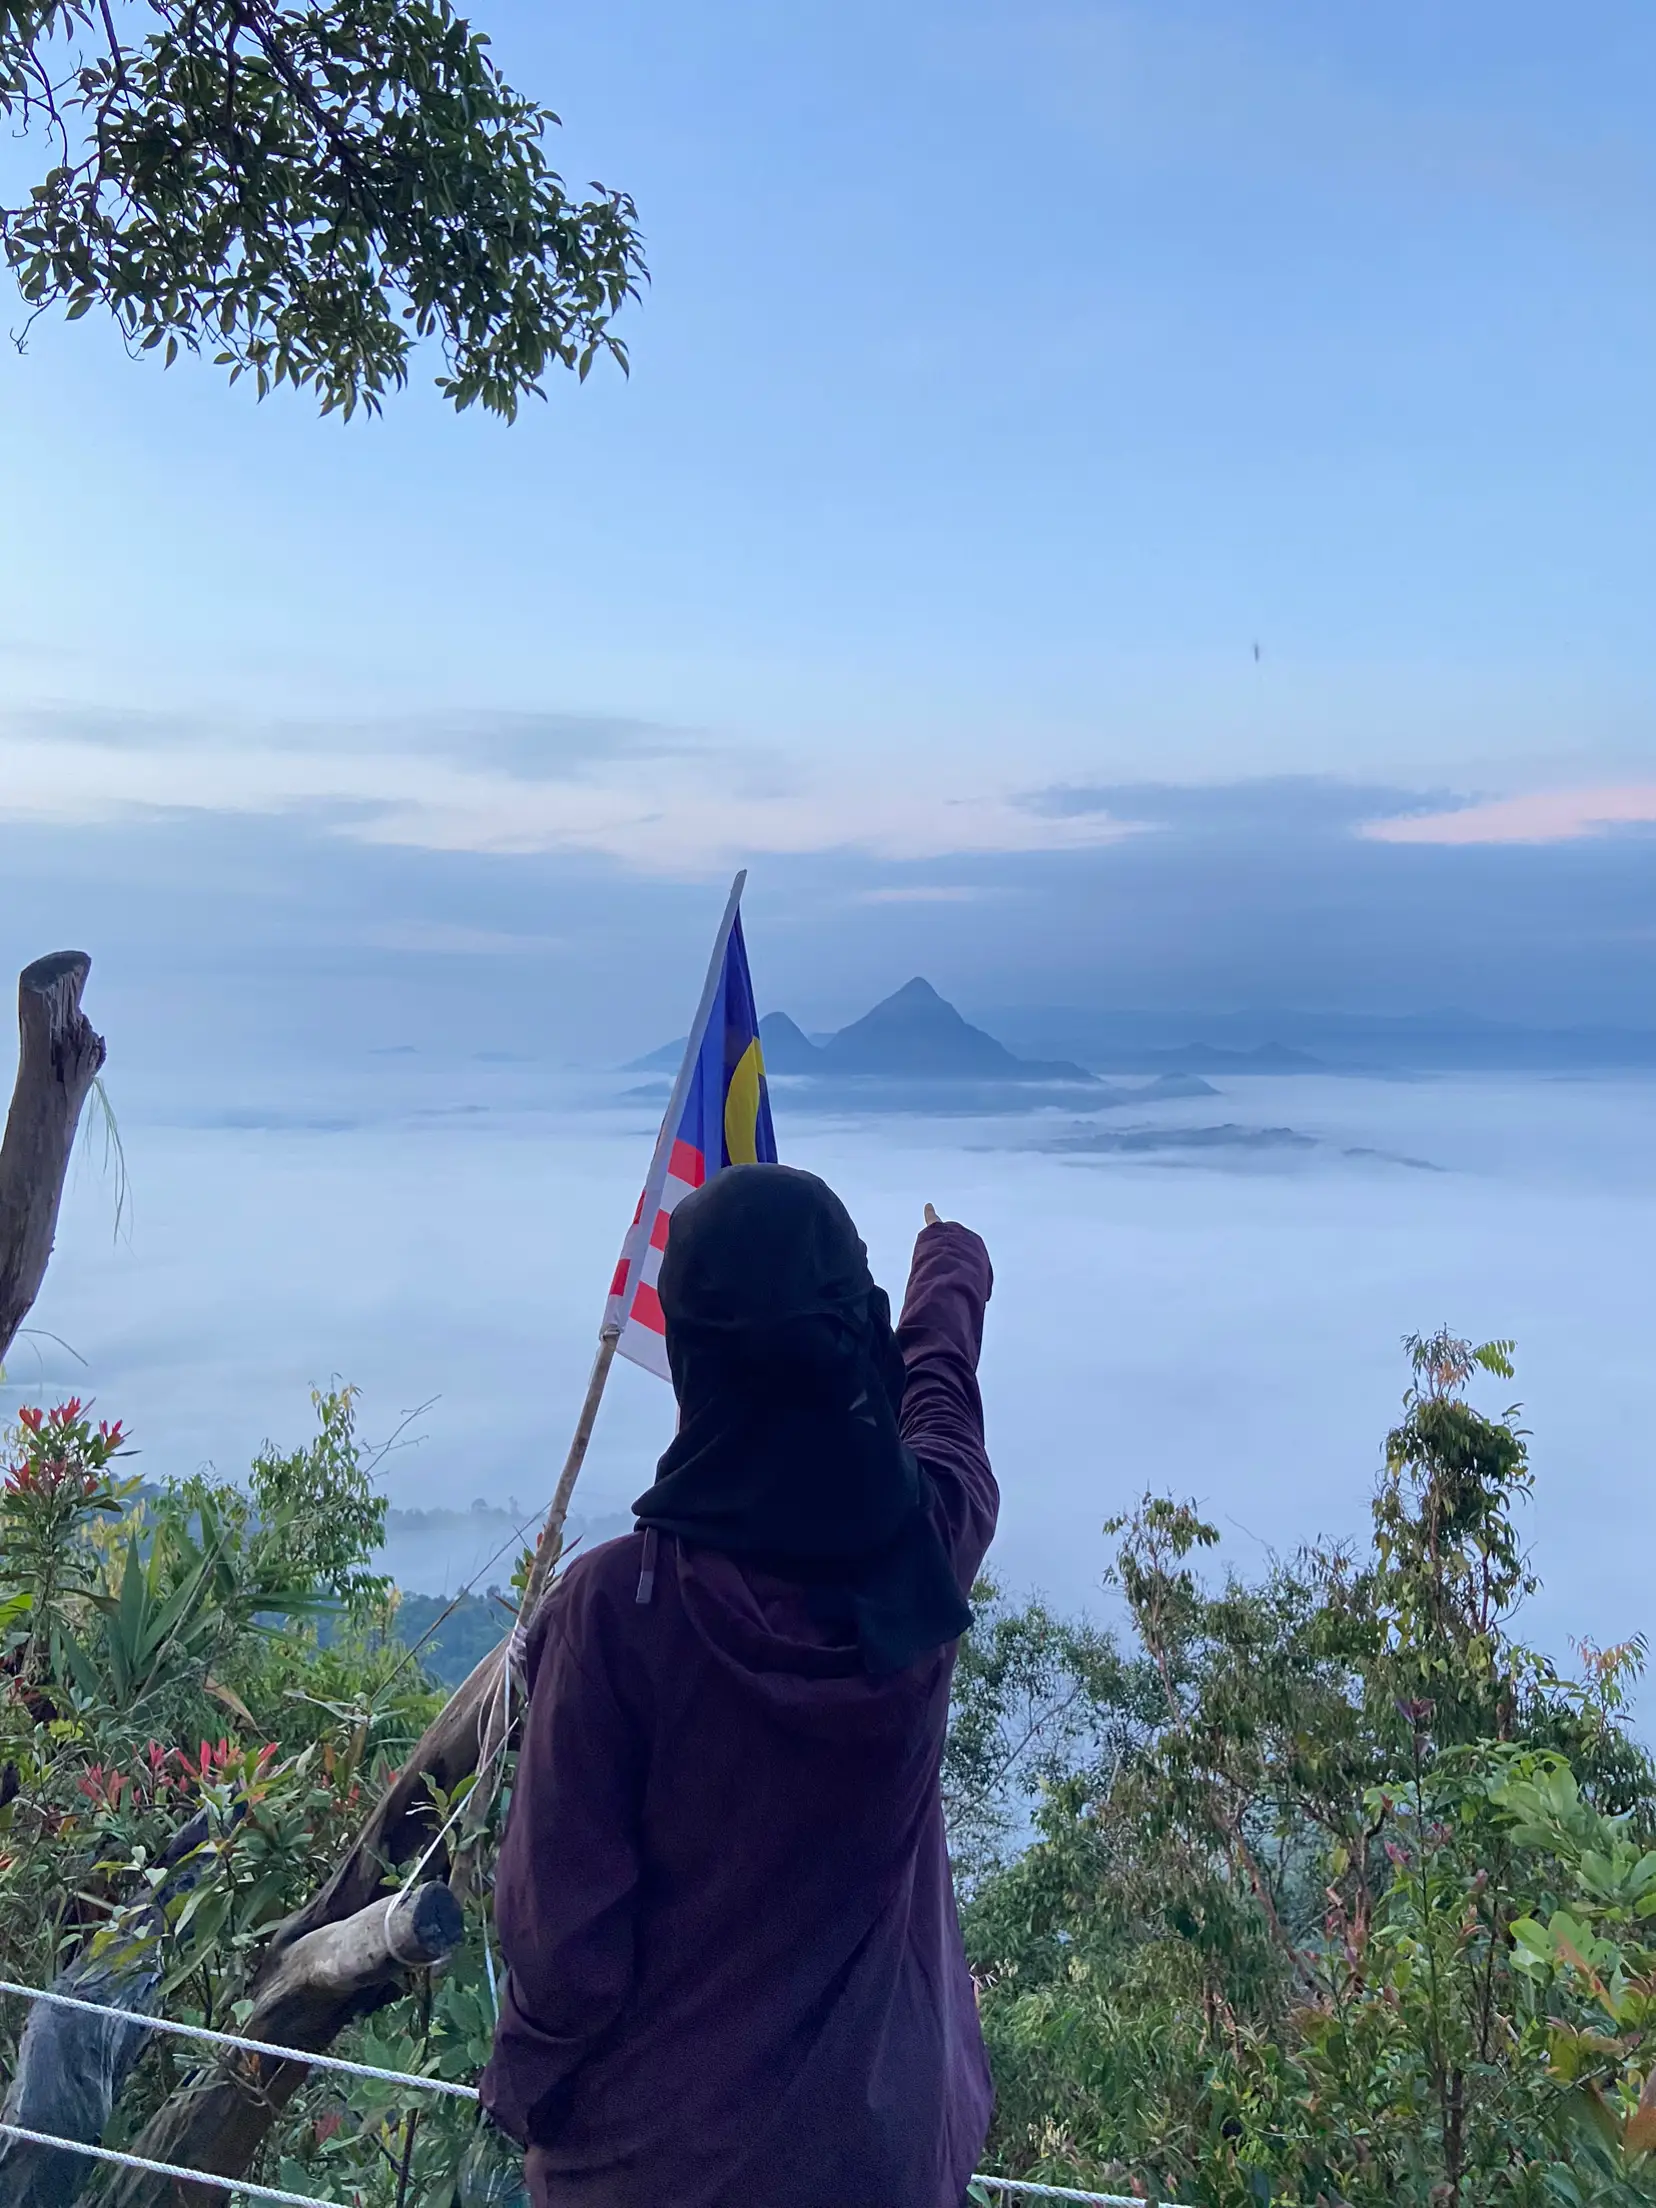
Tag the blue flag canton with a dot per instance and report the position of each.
(727, 1114)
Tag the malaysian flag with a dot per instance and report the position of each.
(719, 1115)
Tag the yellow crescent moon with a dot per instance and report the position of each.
(741, 1113)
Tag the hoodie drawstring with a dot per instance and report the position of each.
(647, 1571)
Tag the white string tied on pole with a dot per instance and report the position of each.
(411, 1959)
(489, 1769)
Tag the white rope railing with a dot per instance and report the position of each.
(234, 2039)
(1009, 2187)
(1026, 2189)
(164, 2169)
(1022, 2187)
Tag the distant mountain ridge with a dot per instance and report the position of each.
(1284, 1040)
(913, 1035)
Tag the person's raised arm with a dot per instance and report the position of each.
(940, 1335)
(568, 1869)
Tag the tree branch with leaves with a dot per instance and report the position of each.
(302, 190)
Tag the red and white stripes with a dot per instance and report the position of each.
(634, 1304)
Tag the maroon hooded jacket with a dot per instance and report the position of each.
(735, 1975)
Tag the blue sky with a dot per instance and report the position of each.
(1009, 372)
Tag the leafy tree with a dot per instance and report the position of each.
(158, 1675)
(1337, 1890)
(316, 1517)
(1035, 1695)
(451, 1635)
(301, 189)
(1313, 1887)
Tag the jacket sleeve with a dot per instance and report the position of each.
(940, 1335)
(568, 1872)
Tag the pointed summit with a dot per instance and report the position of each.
(916, 1032)
(914, 1036)
(787, 1048)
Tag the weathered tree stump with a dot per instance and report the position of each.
(219, 2123)
(319, 1984)
(59, 1058)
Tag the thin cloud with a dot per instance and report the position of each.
(453, 938)
(1537, 816)
(1293, 805)
(622, 791)
(924, 893)
(545, 746)
(428, 943)
(533, 745)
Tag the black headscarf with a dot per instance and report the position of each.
(789, 1383)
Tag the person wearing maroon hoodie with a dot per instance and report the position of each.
(734, 1975)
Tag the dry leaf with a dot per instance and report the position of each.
(233, 1703)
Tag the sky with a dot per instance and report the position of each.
(1110, 501)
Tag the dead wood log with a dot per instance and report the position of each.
(471, 1725)
(59, 1058)
(339, 1956)
(199, 2127)
(221, 2125)
(319, 1984)
(403, 1821)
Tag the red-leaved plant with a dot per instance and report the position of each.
(56, 1480)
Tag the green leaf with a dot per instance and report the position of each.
(81, 1667)
(129, 1616)
(1589, 2104)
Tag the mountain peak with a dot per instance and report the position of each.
(916, 1032)
(787, 1048)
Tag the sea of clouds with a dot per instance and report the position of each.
(1221, 1320)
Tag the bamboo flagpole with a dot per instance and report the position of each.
(637, 1242)
(496, 1722)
